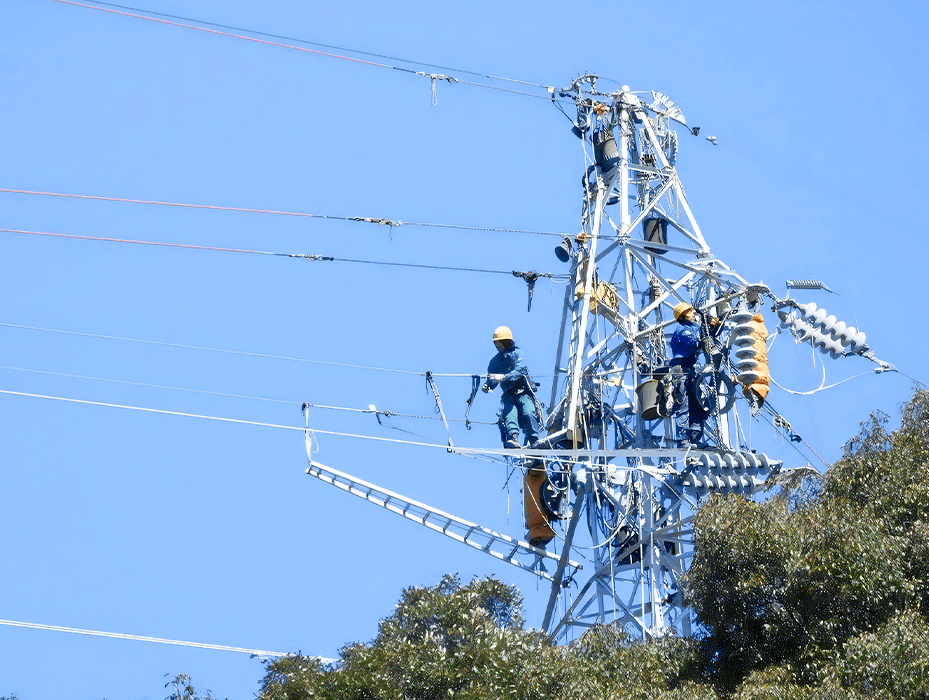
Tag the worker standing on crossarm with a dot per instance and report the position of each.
(688, 340)
(685, 343)
(517, 405)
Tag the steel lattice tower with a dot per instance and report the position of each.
(633, 477)
(619, 464)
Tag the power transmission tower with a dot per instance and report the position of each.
(627, 462)
(635, 438)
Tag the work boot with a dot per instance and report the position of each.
(686, 438)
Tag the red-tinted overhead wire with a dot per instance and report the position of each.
(432, 76)
(127, 240)
(230, 34)
(317, 43)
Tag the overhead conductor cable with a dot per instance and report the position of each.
(138, 638)
(464, 451)
(276, 212)
(377, 413)
(316, 43)
(234, 352)
(186, 24)
(305, 256)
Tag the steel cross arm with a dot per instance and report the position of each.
(617, 333)
(625, 347)
(644, 245)
(679, 523)
(732, 273)
(559, 454)
(699, 265)
(496, 545)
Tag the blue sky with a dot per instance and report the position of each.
(190, 529)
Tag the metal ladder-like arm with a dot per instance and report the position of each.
(515, 552)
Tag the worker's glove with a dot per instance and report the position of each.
(486, 388)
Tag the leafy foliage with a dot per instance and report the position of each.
(183, 689)
(454, 641)
(446, 641)
(824, 596)
(793, 591)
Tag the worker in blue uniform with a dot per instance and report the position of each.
(517, 404)
(687, 342)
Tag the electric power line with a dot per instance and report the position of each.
(138, 638)
(306, 256)
(477, 452)
(434, 77)
(232, 352)
(242, 421)
(316, 43)
(276, 212)
(383, 412)
(463, 451)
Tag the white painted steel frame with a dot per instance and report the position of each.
(642, 595)
(505, 548)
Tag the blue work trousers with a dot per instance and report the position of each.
(518, 412)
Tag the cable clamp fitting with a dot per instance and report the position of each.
(434, 77)
(310, 256)
(372, 220)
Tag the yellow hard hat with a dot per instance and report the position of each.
(503, 333)
(681, 309)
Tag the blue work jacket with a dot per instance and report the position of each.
(685, 344)
(512, 366)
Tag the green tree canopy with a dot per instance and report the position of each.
(819, 597)
(800, 585)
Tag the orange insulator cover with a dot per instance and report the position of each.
(540, 532)
(761, 386)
